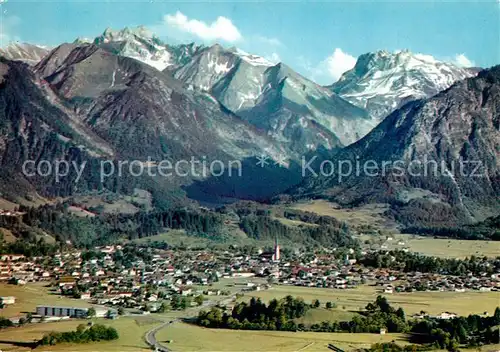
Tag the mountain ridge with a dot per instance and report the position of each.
(28, 53)
(254, 88)
(383, 81)
(109, 102)
(459, 127)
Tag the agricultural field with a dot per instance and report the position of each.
(186, 337)
(294, 223)
(31, 295)
(446, 248)
(318, 315)
(174, 237)
(371, 216)
(179, 238)
(367, 215)
(353, 300)
(7, 236)
(130, 329)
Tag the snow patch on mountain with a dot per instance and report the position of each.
(253, 60)
(141, 44)
(382, 81)
(275, 98)
(28, 53)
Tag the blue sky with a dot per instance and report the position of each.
(319, 39)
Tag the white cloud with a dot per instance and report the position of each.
(463, 61)
(330, 69)
(339, 62)
(222, 28)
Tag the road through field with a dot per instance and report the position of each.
(150, 336)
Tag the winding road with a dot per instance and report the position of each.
(150, 336)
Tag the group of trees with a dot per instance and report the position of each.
(192, 221)
(259, 221)
(280, 315)
(29, 247)
(411, 262)
(5, 323)
(82, 334)
(486, 230)
(472, 331)
(378, 315)
(394, 347)
(266, 228)
(177, 302)
(106, 228)
(255, 315)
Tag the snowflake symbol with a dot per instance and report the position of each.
(262, 160)
(280, 160)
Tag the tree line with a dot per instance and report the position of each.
(264, 227)
(413, 262)
(82, 334)
(29, 248)
(255, 315)
(101, 229)
(106, 228)
(473, 330)
(485, 230)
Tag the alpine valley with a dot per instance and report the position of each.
(127, 95)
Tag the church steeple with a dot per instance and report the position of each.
(276, 255)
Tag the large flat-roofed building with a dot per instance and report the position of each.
(50, 311)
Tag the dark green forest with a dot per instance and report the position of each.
(412, 262)
(101, 229)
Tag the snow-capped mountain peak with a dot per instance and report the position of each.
(141, 44)
(28, 53)
(275, 98)
(253, 60)
(140, 32)
(382, 81)
(83, 40)
(138, 43)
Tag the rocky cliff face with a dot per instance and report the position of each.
(382, 81)
(128, 96)
(292, 109)
(456, 132)
(28, 53)
(36, 125)
(121, 109)
(140, 44)
(144, 112)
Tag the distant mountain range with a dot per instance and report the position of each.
(448, 147)
(128, 95)
(381, 82)
(294, 110)
(29, 53)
